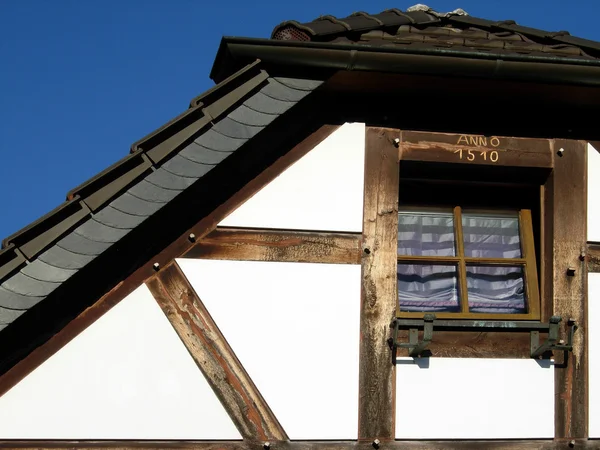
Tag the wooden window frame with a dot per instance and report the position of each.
(527, 262)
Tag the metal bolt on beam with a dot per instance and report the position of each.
(572, 444)
(267, 445)
(156, 266)
(397, 142)
(571, 271)
(192, 237)
(376, 443)
(560, 152)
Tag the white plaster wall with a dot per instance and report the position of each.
(321, 191)
(593, 204)
(127, 376)
(472, 398)
(594, 353)
(295, 329)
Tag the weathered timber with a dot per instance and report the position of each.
(461, 344)
(214, 357)
(476, 149)
(593, 257)
(377, 389)
(175, 249)
(272, 245)
(568, 199)
(306, 445)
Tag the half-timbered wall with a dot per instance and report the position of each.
(295, 329)
(127, 376)
(593, 208)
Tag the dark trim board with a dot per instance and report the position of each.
(255, 178)
(593, 257)
(305, 445)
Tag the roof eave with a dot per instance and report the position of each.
(235, 52)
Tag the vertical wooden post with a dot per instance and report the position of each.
(568, 201)
(379, 292)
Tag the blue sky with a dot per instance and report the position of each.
(81, 80)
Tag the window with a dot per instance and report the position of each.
(467, 263)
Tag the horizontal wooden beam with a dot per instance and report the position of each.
(307, 445)
(271, 245)
(214, 357)
(476, 150)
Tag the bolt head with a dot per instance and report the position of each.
(267, 445)
(572, 443)
(560, 152)
(192, 237)
(397, 142)
(376, 443)
(156, 266)
(571, 271)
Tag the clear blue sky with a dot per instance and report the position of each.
(80, 80)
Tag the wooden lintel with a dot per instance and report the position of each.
(214, 357)
(174, 250)
(377, 380)
(305, 445)
(476, 149)
(593, 257)
(272, 245)
(566, 201)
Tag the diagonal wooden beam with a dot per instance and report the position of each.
(214, 357)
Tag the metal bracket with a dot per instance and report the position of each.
(552, 342)
(417, 347)
(414, 345)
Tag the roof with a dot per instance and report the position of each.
(37, 260)
(193, 157)
(422, 27)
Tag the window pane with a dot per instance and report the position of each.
(491, 235)
(428, 288)
(496, 289)
(426, 233)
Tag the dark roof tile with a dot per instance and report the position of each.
(267, 105)
(185, 168)
(135, 206)
(145, 190)
(233, 129)
(117, 219)
(98, 232)
(7, 316)
(65, 259)
(12, 300)
(166, 180)
(76, 243)
(30, 287)
(219, 142)
(203, 155)
(247, 116)
(42, 271)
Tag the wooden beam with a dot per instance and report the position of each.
(567, 198)
(476, 149)
(174, 250)
(593, 257)
(377, 380)
(275, 245)
(305, 445)
(214, 357)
